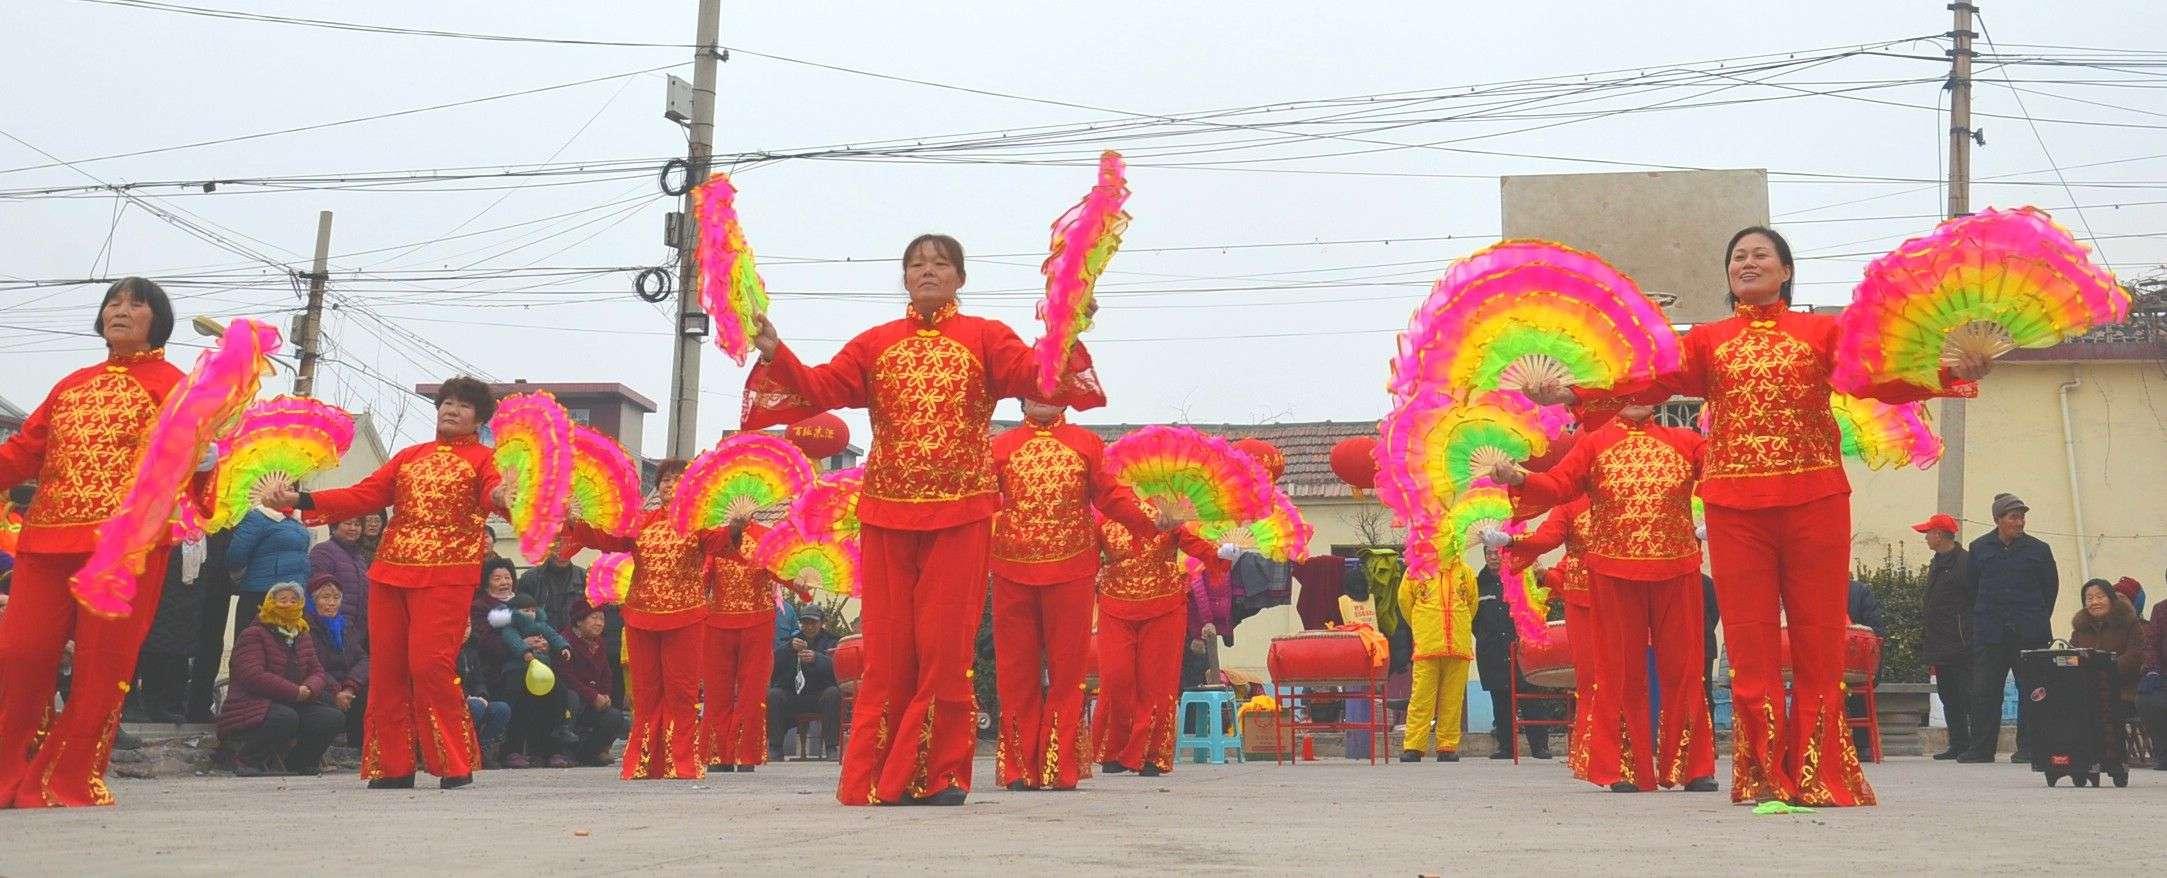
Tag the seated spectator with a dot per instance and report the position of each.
(804, 682)
(340, 558)
(538, 721)
(2151, 695)
(592, 673)
(478, 676)
(272, 715)
(2133, 591)
(2106, 622)
(342, 645)
(492, 611)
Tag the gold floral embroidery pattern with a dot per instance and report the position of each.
(441, 522)
(667, 577)
(97, 436)
(1046, 517)
(929, 412)
(1770, 393)
(1643, 491)
(1152, 571)
(739, 587)
(1574, 573)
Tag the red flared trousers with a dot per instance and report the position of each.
(1042, 727)
(68, 767)
(913, 730)
(1140, 680)
(414, 695)
(1592, 749)
(734, 707)
(664, 743)
(1787, 565)
(1667, 614)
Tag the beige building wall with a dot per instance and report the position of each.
(1665, 229)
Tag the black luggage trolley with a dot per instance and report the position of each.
(2076, 731)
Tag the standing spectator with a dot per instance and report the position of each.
(804, 682)
(340, 558)
(556, 584)
(2013, 584)
(1946, 644)
(1862, 608)
(591, 673)
(268, 547)
(272, 715)
(1494, 637)
(2133, 591)
(479, 678)
(2108, 623)
(372, 535)
(214, 588)
(342, 646)
(2151, 696)
(161, 670)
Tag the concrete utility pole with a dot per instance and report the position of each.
(691, 321)
(1949, 495)
(312, 320)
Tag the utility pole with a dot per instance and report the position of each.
(312, 320)
(1949, 494)
(691, 320)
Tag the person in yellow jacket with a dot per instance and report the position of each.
(1440, 610)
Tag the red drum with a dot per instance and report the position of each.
(1320, 657)
(1861, 653)
(1549, 663)
(849, 658)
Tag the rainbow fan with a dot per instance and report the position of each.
(609, 578)
(605, 482)
(1986, 284)
(1523, 313)
(829, 509)
(278, 441)
(195, 411)
(830, 565)
(1191, 475)
(730, 286)
(1084, 241)
(1432, 449)
(1283, 535)
(1883, 435)
(740, 475)
(534, 455)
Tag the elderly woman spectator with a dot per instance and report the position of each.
(272, 714)
(2108, 623)
(342, 645)
(341, 558)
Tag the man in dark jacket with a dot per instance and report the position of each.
(804, 682)
(1494, 636)
(2013, 584)
(556, 584)
(1946, 614)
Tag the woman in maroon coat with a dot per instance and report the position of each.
(272, 715)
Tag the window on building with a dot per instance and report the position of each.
(581, 416)
(1683, 413)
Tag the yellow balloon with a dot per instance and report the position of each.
(540, 679)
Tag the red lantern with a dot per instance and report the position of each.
(1265, 455)
(821, 436)
(1355, 462)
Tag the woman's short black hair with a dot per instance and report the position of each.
(472, 392)
(490, 565)
(1783, 254)
(148, 292)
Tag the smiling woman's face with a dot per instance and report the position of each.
(1757, 272)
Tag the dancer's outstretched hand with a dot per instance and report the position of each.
(766, 340)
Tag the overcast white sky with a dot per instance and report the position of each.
(88, 80)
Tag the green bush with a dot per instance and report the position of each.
(1901, 589)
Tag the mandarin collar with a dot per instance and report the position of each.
(925, 321)
(137, 358)
(1758, 313)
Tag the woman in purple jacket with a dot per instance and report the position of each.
(272, 716)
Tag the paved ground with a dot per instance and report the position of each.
(1315, 818)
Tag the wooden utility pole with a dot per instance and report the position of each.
(1949, 495)
(312, 321)
(692, 325)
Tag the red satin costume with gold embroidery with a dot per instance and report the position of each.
(1045, 563)
(1143, 597)
(1592, 750)
(664, 642)
(1643, 569)
(1779, 542)
(930, 382)
(82, 444)
(426, 569)
(740, 654)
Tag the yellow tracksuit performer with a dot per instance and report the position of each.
(1441, 612)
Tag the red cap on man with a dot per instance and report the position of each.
(1941, 521)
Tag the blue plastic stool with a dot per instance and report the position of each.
(1209, 743)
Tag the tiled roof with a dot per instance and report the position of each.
(1306, 445)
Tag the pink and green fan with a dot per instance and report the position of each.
(605, 482)
(278, 441)
(533, 436)
(1283, 535)
(742, 474)
(1882, 435)
(1524, 313)
(793, 557)
(1984, 284)
(730, 285)
(1191, 475)
(829, 509)
(1433, 449)
(195, 411)
(1084, 241)
(609, 578)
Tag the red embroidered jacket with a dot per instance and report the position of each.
(440, 533)
(930, 384)
(83, 444)
(669, 569)
(1638, 478)
(1052, 477)
(1568, 525)
(1145, 579)
(740, 593)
